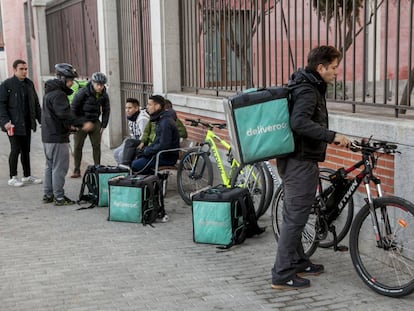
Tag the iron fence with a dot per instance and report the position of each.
(231, 45)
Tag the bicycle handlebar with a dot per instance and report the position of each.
(197, 122)
(368, 146)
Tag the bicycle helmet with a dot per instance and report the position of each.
(99, 77)
(64, 70)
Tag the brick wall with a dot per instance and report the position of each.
(336, 156)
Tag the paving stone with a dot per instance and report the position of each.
(58, 258)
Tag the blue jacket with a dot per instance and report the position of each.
(166, 137)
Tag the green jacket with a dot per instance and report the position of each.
(76, 86)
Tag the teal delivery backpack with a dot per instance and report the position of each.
(223, 216)
(135, 198)
(258, 123)
(94, 188)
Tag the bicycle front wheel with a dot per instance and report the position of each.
(252, 177)
(309, 241)
(195, 172)
(386, 266)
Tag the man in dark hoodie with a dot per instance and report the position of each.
(166, 137)
(88, 104)
(57, 122)
(299, 171)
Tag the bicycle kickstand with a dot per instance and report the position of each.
(336, 247)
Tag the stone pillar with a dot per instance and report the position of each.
(165, 46)
(109, 64)
(41, 50)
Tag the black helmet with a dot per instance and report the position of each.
(99, 77)
(66, 71)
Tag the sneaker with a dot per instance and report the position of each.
(312, 269)
(165, 218)
(47, 199)
(296, 283)
(63, 201)
(15, 182)
(76, 174)
(31, 180)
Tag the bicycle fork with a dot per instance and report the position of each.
(379, 238)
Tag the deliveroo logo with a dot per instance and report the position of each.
(266, 129)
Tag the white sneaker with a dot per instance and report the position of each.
(15, 182)
(31, 180)
(165, 218)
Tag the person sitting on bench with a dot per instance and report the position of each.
(166, 137)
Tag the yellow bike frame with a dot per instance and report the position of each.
(211, 139)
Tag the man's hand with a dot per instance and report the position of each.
(341, 140)
(87, 126)
(140, 146)
(102, 129)
(8, 125)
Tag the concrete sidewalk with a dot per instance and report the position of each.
(57, 258)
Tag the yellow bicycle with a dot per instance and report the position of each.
(195, 171)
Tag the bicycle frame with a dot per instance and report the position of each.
(365, 176)
(211, 139)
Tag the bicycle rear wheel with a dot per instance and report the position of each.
(252, 177)
(270, 188)
(309, 241)
(387, 266)
(195, 172)
(343, 221)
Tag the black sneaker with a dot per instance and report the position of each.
(312, 269)
(296, 283)
(63, 201)
(47, 199)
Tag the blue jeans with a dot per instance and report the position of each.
(146, 164)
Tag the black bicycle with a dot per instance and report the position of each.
(381, 239)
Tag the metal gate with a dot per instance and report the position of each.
(134, 29)
(72, 30)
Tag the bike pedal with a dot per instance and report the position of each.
(342, 248)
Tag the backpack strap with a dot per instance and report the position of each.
(90, 181)
(239, 234)
(155, 202)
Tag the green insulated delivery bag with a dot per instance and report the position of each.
(94, 188)
(135, 198)
(223, 216)
(105, 173)
(258, 123)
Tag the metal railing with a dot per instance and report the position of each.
(231, 45)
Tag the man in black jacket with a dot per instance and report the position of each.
(299, 171)
(57, 122)
(19, 110)
(88, 104)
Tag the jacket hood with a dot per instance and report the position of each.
(308, 76)
(56, 84)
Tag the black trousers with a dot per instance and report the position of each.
(19, 145)
(300, 182)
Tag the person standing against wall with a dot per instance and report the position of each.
(89, 104)
(19, 110)
(299, 170)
